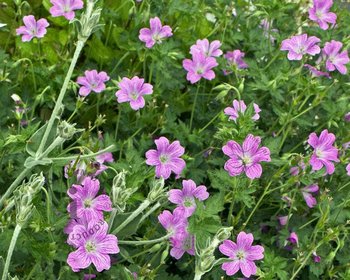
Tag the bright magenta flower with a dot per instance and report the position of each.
(239, 107)
(246, 158)
(334, 58)
(299, 45)
(242, 254)
(32, 28)
(320, 13)
(156, 33)
(65, 8)
(199, 67)
(92, 81)
(324, 152)
(133, 91)
(307, 194)
(166, 158)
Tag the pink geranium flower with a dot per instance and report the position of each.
(320, 13)
(133, 91)
(92, 81)
(208, 49)
(185, 198)
(242, 254)
(235, 59)
(239, 107)
(156, 33)
(65, 8)
(299, 45)
(182, 243)
(246, 158)
(307, 194)
(93, 246)
(348, 169)
(283, 220)
(324, 152)
(32, 28)
(268, 31)
(173, 222)
(317, 73)
(199, 67)
(334, 58)
(85, 203)
(166, 158)
(293, 238)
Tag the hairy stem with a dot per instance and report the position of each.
(10, 251)
(145, 242)
(194, 106)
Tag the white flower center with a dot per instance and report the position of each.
(87, 203)
(164, 158)
(90, 246)
(240, 255)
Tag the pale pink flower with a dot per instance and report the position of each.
(299, 45)
(268, 31)
(92, 81)
(320, 13)
(133, 91)
(335, 59)
(242, 254)
(93, 246)
(324, 152)
(85, 203)
(199, 67)
(238, 108)
(156, 33)
(32, 28)
(186, 198)
(166, 158)
(208, 49)
(246, 158)
(348, 169)
(65, 8)
(307, 194)
(182, 243)
(283, 220)
(347, 117)
(317, 73)
(235, 59)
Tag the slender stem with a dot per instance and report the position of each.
(108, 149)
(150, 211)
(198, 276)
(15, 183)
(142, 207)
(10, 251)
(194, 106)
(118, 121)
(145, 242)
(111, 219)
(58, 105)
(210, 122)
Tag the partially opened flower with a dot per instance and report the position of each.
(316, 257)
(199, 67)
(268, 31)
(246, 158)
(347, 117)
(156, 33)
(335, 59)
(324, 152)
(235, 58)
(32, 28)
(93, 245)
(299, 45)
(65, 8)
(166, 158)
(182, 243)
(293, 238)
(208, 49)
(307, 194)
(320, 13)
(92, 81)
(133, 91)
(86, 204)
(186, 198)
(242, 254)
(348, 169)
(239, 107)
(173, 222)
(317, 73)
(283, 220)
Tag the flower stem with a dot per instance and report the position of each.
(145, 242)
(118, 121)
(58, 106)
(10, 251)
(15, 183)
(194, 106)
(198, 276)
(142, 207)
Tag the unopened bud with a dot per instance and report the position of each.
(157, 190)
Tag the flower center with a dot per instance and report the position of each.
(87, 203)
(134, 95)
(156, 37)
(90, 247)
(246, 159)
(301, 50)
(164, 158)
(240, 255)
(200, 71)
(66, 8)
(188, 202)
(187, 243)
(319, 14)
(318, 153)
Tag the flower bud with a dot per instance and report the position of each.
(157, 190)
(66, 130)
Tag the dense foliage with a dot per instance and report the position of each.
(296, 207)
